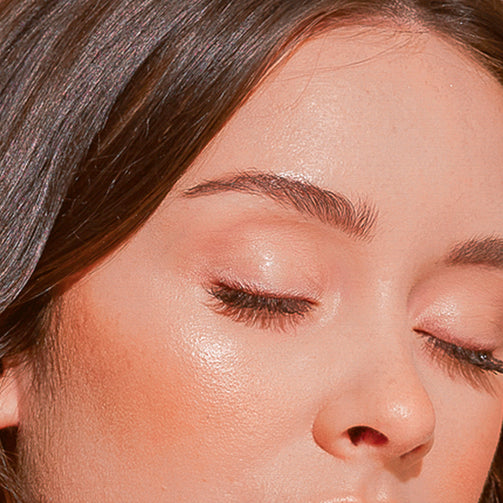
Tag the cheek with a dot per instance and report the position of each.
(468, 424)
(149, 369)
(153, 367)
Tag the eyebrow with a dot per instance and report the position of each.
(357, 219)
(485, 251)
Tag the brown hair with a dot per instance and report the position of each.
(104, 105)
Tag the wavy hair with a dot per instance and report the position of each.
(104, 104)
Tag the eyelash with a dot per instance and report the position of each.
(248, 305)
(473, 364)
(253, 307)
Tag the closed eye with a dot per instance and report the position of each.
(256, 308)
(475, 365)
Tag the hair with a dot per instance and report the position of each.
(105, 104)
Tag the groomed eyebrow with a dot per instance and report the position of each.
(357, 219)
(485, 251)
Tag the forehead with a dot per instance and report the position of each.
(375, 110)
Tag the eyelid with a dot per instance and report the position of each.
(460, 305)
(443, 327)
(258, 291)
(255, 307)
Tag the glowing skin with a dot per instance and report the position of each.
(167, 394)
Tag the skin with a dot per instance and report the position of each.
(161, 395)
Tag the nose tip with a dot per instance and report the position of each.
(390, 423)
(409, 423)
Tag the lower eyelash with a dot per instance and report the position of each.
(251, 307)
(474, 366)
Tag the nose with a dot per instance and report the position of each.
(383, 412)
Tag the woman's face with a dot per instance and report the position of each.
(313, 313)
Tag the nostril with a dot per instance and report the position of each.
(359, 434)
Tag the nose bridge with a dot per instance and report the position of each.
(380, 401)
(397, 403)
(398, 393)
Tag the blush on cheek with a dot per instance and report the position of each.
(473, 437)
(131, 371)
(130, 399)
(149, 373)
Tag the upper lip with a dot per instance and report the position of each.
(345, 499)
(362, 497)
(356, 498)
(351, 499)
